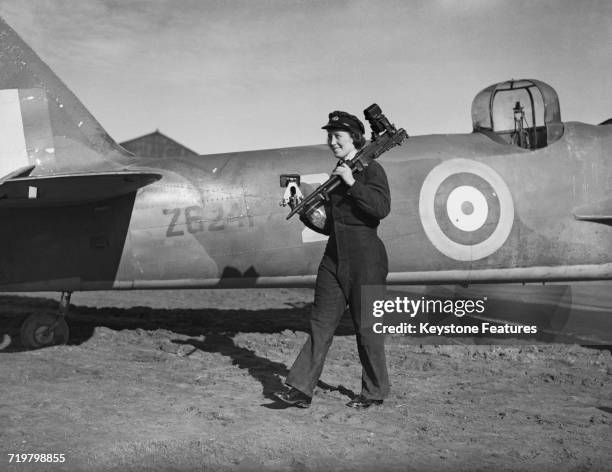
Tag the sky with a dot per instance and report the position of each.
(234, 75)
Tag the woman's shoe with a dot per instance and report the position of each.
(294, 397)
(361, 403)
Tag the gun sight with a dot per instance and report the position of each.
(378, 121)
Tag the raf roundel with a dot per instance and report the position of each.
(466, 209)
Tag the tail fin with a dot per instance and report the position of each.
(41, 121)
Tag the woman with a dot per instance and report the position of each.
(354, 256)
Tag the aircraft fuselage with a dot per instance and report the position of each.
(465, 209)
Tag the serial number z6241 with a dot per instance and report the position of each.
(194, 219)
(37, 457)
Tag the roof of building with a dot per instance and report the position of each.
(157, 144)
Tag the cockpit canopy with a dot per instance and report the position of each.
(522, 113)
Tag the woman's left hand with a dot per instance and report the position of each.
(345, 174)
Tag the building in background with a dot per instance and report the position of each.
(157, 144)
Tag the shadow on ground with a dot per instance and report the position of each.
(268, 373)
(213, 331)
(192, 322)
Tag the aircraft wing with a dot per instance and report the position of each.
(69, 189)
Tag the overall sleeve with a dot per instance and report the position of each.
(372, 195)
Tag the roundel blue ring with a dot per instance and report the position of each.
(448, 247)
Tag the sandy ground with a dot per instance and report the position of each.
(182, 380)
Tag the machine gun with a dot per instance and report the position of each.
(384, 137)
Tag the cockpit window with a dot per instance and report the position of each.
(523, 113)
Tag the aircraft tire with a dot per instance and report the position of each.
(35, 331)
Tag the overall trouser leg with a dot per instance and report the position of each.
(374, 375)
(329, 305)
(370, 345)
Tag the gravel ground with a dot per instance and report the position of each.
(182, 380)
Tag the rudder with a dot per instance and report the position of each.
(70, 131)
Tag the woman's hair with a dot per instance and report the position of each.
(358, 140)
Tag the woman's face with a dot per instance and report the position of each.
(340, 142)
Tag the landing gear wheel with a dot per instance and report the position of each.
(42, 330)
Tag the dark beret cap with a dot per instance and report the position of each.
(344, 121)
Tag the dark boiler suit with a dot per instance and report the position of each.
(354, 257)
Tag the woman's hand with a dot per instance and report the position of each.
(345, 174)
